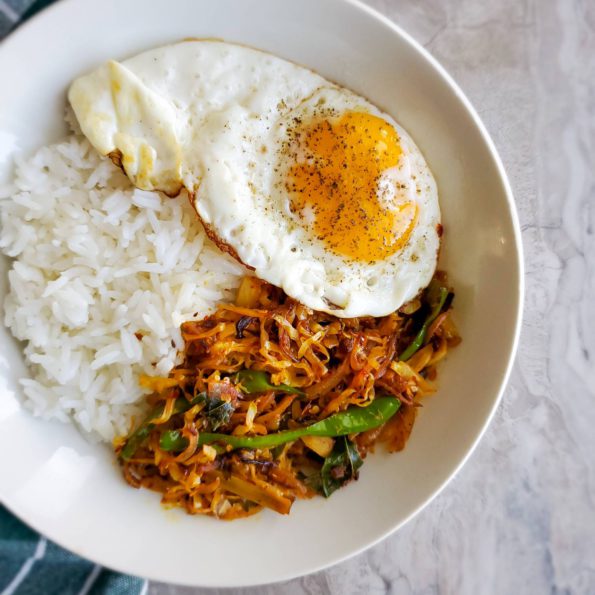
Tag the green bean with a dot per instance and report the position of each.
(256, 381)
(419, 339)
(142, 432)
(352, 421)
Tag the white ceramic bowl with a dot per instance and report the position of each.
(71, 490)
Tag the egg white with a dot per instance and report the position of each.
(212, 117)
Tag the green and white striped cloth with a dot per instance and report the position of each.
(29, 563)
(13, 12)
(32, 565)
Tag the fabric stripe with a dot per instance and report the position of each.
(26, 567)
(90, 580)
(145, 588)
(112, 583)
(8, 12)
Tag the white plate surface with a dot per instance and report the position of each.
(71, 491)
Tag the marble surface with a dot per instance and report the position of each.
(520, 517)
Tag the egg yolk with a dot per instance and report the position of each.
(337, 188)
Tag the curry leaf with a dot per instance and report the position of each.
(218, 412)
(340, 467)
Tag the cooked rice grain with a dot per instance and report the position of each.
(102, 278)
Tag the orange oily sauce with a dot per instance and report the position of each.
(335, 187)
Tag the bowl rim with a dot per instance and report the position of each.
(518, 315)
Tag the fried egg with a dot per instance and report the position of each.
(305, 182)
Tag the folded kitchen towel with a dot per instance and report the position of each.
(32, 565)
(13, 12)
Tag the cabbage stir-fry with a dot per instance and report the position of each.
(273, 401)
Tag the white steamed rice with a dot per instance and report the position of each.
(97, 261)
